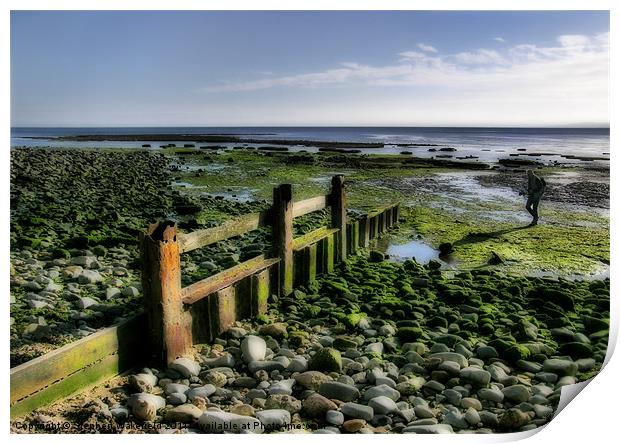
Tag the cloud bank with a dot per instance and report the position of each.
(559, 83)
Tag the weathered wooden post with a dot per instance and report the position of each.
(364, 231)
(283, 234)
(169, 324)
(338, 202)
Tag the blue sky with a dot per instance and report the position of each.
(309, 68)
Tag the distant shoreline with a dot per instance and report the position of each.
(210, 138)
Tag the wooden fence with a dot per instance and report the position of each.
(176, 317)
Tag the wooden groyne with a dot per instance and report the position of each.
(176, 317)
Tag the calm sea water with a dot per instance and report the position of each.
(485, 144)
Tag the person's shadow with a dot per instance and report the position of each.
(473, 238)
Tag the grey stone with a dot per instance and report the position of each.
(176, 398)
(384, 380)
(157, 401)
(429, 429)
(112, 292)
(316, 406)
(471, 403)
(472, 416)
(204, 392)
(475, 376)
(560, 367)
(298, 364)
(274, 418)
(130, 292)
(89, 277)
(516, 393)
(358, 411)
(383, 405)
(453, 396)
(86, 302)
(174, 387)
(486, 352)
(268, 366)
(451, 356)
(186, 413)
(455, 419)
(334, 417)
(381, 390)
(253, 348)
(225, 360)
(284, 387)
(186, 367)
(312, 379)
(423, 411)
(491, 394)
(340, 391)
(245, 382)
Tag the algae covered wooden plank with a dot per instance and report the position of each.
(312, 237)
(210, 285)
(40, 372)
(228, 229)
(82, 380)
(310, 205)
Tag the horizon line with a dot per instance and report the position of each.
(549, 126)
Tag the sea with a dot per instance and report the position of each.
(545, 145)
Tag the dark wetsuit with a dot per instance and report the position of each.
(535, 188)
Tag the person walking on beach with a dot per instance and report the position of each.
(535, 188)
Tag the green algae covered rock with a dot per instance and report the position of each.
(326, 360)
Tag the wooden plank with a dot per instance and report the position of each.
(283, 234)
(329, 252)
(353, 236)
(396, 213)
(226, 278)
(364, 232)
(169, 323)
(84, 379)
(388, 218)
(43, 371)
(310, 205)
(223, 310)
(339, 215)
(260, 292)
(228, 229)
(311, 254)
(381, 222)
(243, 298)
(310, 238)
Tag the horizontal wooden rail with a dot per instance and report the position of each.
(381, 210)
(231, 228)
(226, 278)
(314, 236)
(310, 205)
(75, 366)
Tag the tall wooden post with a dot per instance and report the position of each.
(339, 214)
(283, 234)
(169, 324)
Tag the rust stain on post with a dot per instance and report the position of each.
(169, 324)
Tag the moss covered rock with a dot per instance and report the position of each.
(576, 350)
(326, 360)
(409, 334)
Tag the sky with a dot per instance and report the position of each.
(266, 68)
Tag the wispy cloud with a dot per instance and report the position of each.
(499, 39)
(427, 48)
(565, 77)
(481, 57)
